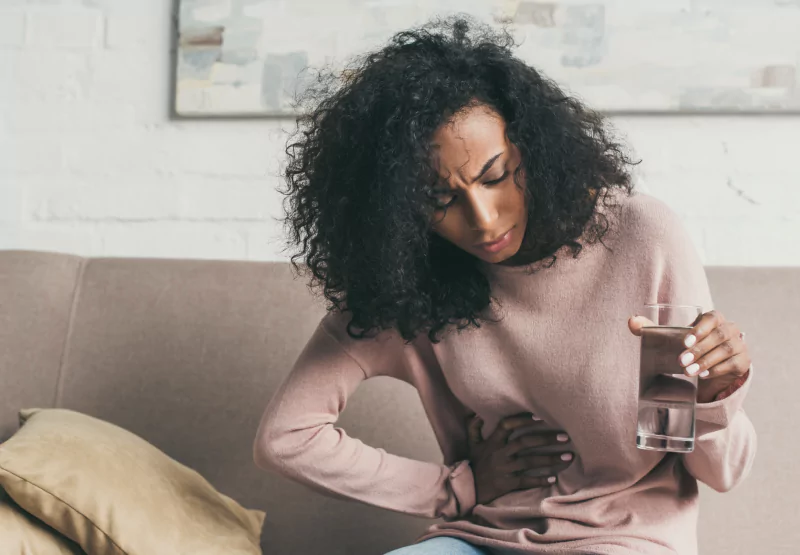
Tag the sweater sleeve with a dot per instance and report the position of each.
(725, 441)
(298, 437)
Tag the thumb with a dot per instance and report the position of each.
(636, 323)
(474, 429)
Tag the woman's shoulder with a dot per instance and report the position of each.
(641, 219)
(645, 212)
(337, 322)
(379, 353)
(646, 229)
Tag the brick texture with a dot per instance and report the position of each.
(91, 163)
(12, 27)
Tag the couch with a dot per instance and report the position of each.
(186, 354)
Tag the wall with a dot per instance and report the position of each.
(90, 162)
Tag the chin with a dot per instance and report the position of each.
(506, 257)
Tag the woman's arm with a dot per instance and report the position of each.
(298, 436)
(725, 441)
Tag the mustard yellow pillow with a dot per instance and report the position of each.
(21, 534)
(116, 494)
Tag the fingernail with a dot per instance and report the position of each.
(704, 374)
(566, 457)
(686, 358)
(690, 340)
(552, 479)
(536, 418)
(693, 369)
(563, 438)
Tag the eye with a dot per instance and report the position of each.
(442, 197)
(440, 205)
(498, 180)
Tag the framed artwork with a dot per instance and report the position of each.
(240, 58)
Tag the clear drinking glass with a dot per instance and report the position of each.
(667, 396)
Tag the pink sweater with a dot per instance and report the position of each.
(562, 351)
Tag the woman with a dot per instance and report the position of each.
(477, 235)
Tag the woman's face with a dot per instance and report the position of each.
(481, 209)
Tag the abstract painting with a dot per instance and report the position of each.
(252, 57)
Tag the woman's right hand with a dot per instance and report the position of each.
(499, 466)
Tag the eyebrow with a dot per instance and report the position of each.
(484, 169)
(486, 166)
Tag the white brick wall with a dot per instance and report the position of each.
(12, 28)
(91, 163)
(56, 26)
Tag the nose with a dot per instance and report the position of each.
(483, 211)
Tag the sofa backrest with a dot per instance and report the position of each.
(187, 353)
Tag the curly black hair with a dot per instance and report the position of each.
(359, 175)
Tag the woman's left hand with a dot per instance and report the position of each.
(716, 353)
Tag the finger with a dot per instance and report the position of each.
(703, 326)
(533, 462)
(530, 482)
(533, 440)
(474, 430)
(636, 323)
(508, 425)
(718, 355)
(737, 365)
(718, 345)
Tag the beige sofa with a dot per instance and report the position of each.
(186, 354)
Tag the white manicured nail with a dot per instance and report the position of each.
(693, 369)
(552, 479)
(704, 374)
(536, 418)
(690, 340)
(566, 457)
(563, 438)
(687, 358)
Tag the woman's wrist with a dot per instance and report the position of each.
(731, 389)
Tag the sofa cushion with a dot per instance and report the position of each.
(114, 493)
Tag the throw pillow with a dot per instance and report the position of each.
(24, 535)
(114, 493)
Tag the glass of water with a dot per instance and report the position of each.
(667, 396)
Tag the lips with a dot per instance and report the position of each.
(488, 243)
(499, 238)
(498, 244)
